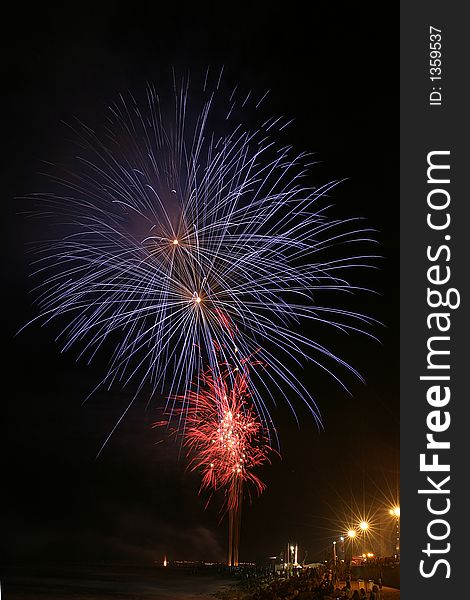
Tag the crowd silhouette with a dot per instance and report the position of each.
(308, 584)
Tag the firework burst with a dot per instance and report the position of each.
(223, 435)
(225, 442)
(175, 242)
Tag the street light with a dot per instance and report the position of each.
(341, 547)
(364, 525)
(334, 562)
(395, 512)
(351, 533)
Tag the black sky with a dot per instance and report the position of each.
(334, 68)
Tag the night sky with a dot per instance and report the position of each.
(334, 69)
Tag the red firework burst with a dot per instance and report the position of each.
(224, 437)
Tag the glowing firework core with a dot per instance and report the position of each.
(224, 436)
(232, 433)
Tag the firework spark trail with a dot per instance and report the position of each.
(178, 242)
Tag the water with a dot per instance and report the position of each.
(111, 583)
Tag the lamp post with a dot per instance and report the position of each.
(334, 562)
(351, 535)
(363, 526)
(395, 512)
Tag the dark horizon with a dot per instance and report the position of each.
(330, 71)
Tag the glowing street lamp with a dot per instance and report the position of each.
(341, 547)
(364, 525)
(351, 533)
(395, 512)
